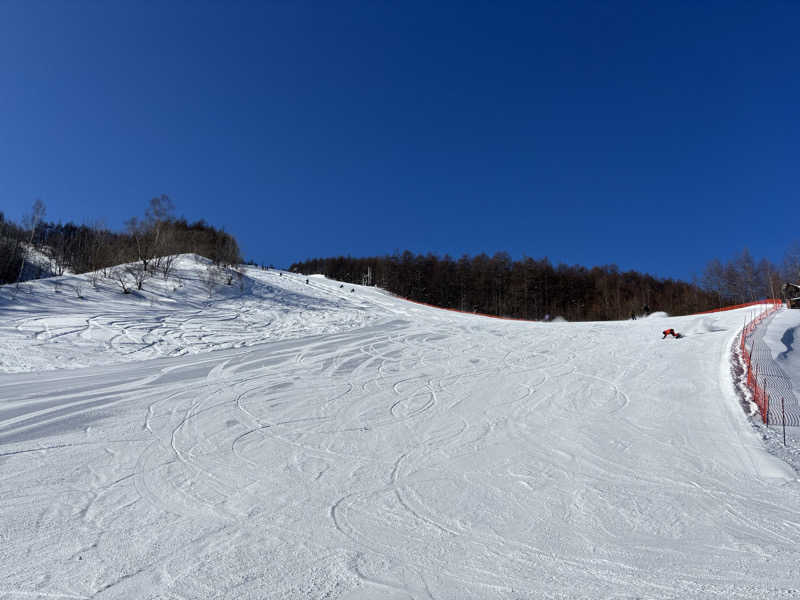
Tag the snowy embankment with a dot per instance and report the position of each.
(413, 453)
(779, 364)
(69, 322)
(781, 336)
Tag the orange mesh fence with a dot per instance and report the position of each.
(756, 379)
(745, 305)
(769, 301)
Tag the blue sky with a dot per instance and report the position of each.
(651, 135)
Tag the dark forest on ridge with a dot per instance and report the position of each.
(535, 289)
(89, 248)
(496, 285)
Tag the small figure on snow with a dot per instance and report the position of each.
(671, 332)
(633, 316)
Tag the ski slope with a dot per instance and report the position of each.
(66, 322)
(353, 445)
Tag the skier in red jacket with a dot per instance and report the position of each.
(671, 332)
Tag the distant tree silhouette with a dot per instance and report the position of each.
(742, 280)
(526, 288)
(149, 240)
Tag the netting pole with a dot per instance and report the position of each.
(783, 420)
(755, 392)
(744, 334)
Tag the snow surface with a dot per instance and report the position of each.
(371, 448)
(66, 322)
(782, 335)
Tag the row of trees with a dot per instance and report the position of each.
(12, 250)
(743, 279)
(148, 242)
(527, 288)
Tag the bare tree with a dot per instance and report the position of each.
(166, 265)
(149, 233)
(213, 278)
(790, 270)
(138, 273)
(714, 278)
(32, 221)
(142, 238)
(118, 274)
(160, 209)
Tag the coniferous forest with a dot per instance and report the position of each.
(536, 289)
(497, 285)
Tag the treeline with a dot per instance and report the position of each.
(743, 279)
(527, 288)
(12, 250)
(83, 248)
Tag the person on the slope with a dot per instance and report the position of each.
(671, 332)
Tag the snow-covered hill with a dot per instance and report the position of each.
(71, 321)
(348, 444)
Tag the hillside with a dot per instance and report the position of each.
(524, 289)
(350, 444)
(69, 322)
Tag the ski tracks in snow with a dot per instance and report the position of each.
(426, 456)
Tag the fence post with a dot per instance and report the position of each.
(743, 329)
(760, 398)
(749, 370)
(783, 420)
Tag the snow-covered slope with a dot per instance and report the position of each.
(382, 450)
(37, 265)
(781, 336)
(67, 322)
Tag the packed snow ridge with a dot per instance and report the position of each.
(293, 437)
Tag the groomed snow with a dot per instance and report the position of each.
(782, 335)
(376, 449)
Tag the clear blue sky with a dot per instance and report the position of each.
(651, 135)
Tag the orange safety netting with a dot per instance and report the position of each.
(773, 301)
(756, 382)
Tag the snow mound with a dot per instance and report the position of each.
(659, 314)
(706, 324)
(84, 320)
